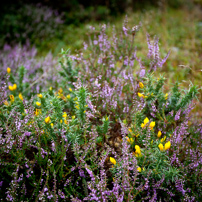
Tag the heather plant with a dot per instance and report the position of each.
(30, 73)
(108, 131)
(34, 22)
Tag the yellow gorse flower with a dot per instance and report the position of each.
(141, 85)
(52, 125)
(8, 70)
(47, 119)
(140, 95)
(167, 145)
(161, 147)
(159, 134)
(146, 120)
(12, 88)
(64, 114)
(137, 151)
(139, 169)
(151, 125)
(127, 138)
(163, 139)
(12, 98)
(131, 140)
(112, 160)
(37, 112)
(70, 89)
(6, 103)
(77, 106)
(40, 95)
(166, 96)
(60, 91)
(38, 103)
(68, 96)
(20, 96)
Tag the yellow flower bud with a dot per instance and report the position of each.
(167, 145)
(6, 103)
(37, 112)
(47, 119)
(141, 85)
(137, 151)
(40, 95)
(160, 147)
(140, 95)
(8, 70)
(70, 89)
(60, 91)
(159, 134)
(112, 160)
(52, 125)
(38, 103)
(146, 120)
(12, 98)
(127, 138)
(152, 124)
(163, 139)
(20, 96)
(139, 169)
(68, 96)
(64, 115)
(14, 86)
(10, 88)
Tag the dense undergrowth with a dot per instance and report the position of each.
(107, 130)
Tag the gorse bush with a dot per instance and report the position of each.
(108, 131)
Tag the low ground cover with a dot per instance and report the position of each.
(108, 130)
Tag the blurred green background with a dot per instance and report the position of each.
(51, 25)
